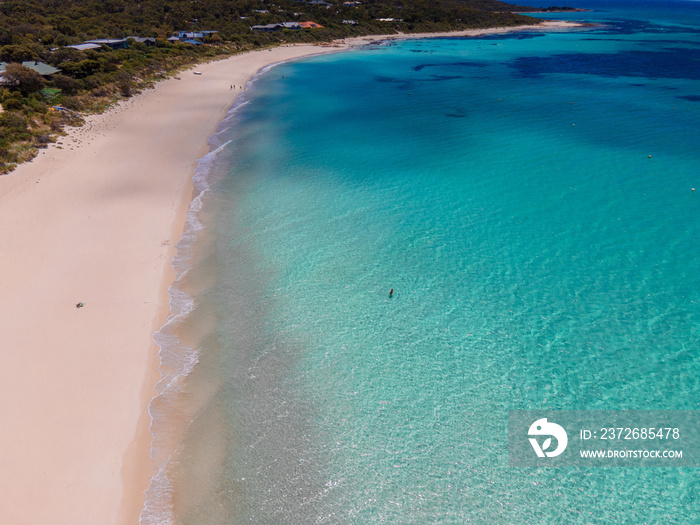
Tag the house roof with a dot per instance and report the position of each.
(142, 38)
(85, 47)
(309, 24)
(107, 41)
(39, 67)
(267, 27)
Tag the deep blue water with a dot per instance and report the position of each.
(528, 199)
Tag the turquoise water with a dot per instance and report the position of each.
(528, 199)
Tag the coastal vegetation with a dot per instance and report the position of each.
(47, 85)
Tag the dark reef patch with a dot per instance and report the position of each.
(439, 78)
(450, 64)
(629, 27)
(672, 63)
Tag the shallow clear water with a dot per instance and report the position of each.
(528, 199)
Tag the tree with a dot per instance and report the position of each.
(5, 37)
(16, 53)
(22, 78)
(81, 69)
(68, 85)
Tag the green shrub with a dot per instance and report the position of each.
(13, 104)
(16, 53)
(6, 95)
(66, 84)
(72, 103)
(36, 105)
(12, 124)
(82, 69)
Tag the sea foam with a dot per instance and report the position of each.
(177, 359)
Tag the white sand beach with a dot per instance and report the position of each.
(95, 222)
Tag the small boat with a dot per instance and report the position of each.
(197, 72)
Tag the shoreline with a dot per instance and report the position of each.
(96, 222)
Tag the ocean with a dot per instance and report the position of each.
(393, 247)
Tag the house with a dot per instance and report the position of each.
(149, 41)
(310, 25)
(43, 69)
(267, 27)
(191, 37)
(277, 27)
(187, 35)
(109, 42)
(85, 47)
(352, 22)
